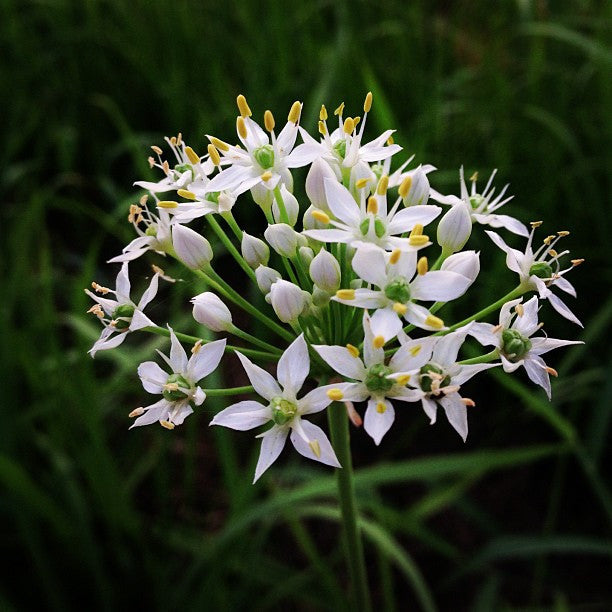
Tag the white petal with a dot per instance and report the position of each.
(510, 366)
(105, 343)
(263, 382)
(317, 399)
(139, 321)
(513, 257)
(155, 412)
(407, 218)
(152, 376)
(206, 360)
(302, 155)
(179, 412)
(370, 265)
(413, 354)
(150, 293)
(446, 349)
(314, 434)
(565, 285)
(364, 298)
(342, 361)
(536, 370)
(468, 371)
(506, 313)
(329, 235)
(456, 413)
(371, 355)
(539, 346)
(178, 356)
(527, 323)
(483, 332)
(294, 365)
(417, 315)
(439, 286)
(385, 322)
(562, 309)
(129, 256)
(229, 178)
(243, 415)
(376, 423)
(272, 444)
(431, 409)
(342, 203)
(510, 223)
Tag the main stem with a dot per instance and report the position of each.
(353, 546)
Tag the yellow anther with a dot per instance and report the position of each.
(323, 113)
(378, 342)
(167, 425)
(316, 449)
(401, 309)
(196, 347)
(404, 188)
(417, 241)
(143, 199)
(356, 120)
(188, 195)
(151, 162)
(383, 184)
(320, 216)
(520, 310)
(468, 402)
(179, 139)
(171, 386)
(390, 140)
(339, 110)
(372, 205)
(295, 112)
(322, 128)
(553, 253)
(415, 350)
(349, 126)
(422, 266)
(552, 371)
(417, 230)
(269, 120)
(434, 322)
(100, 289)
(241, 127)
(474, 177)
(214, 154)
(497, 328)
(367, 105)
(136, 412)
(166, 167)
(381, 407)
(96, 309)
(403, 380)
(563, 233)
(577, 262)
(135, 216)
(167, 204)
(173, 141)
(218, 143)
(353, 350)
(192, 155)
(345, 294)
(266, 176)
(395, 255)
(335, 395)
(361, 183)
(243, 107)
(549, 239)
(535, 224)
(156, 149)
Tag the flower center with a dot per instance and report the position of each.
(541, 269)
(122, 315)
(283, 410)
(264, 156)
(376, 379)
(476, 201)
(398, 291)
(379, 227)
(151, 231)
(514, 344)
(340, 148)
(432, 376)
(378, 170)
(213, 196)
(172, 388)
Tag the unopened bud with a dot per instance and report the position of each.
(325, 271)
(320, 298)
(416, 191)
(266, 277)
(209, 310)
(306, 255)
(282, 238)
(255, 251)
(288, 300)
(315, 183)
(455, 228)
(291, 206)
(191, 248)
(466, 263)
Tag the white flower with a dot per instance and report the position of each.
(180, 388)
(191, 248)
(264, 161)
(413, 185)
(360, 225)
(481, 206)
(266, 277)
(209, 310)
(315, 183)
(466, 263)
(255, 251)
(325, 271)
(513, 339)
(399, 288)
(287, 300)
(540, 270)
(282, 238)
(156, 235)
(283, 408)
(439, 380)
(454, 228)
(120, 315)
(372, 374)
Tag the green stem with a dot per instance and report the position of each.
(284, 217)
(229, 218)
(482, 359)
(228, 391)
(353, 545)
(438, 263)
(253, 339)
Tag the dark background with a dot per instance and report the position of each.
(95, 516)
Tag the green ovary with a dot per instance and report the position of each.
(426, 378)
(398, 291)
(122, 315)
(376, 379)
(173, 395)
(514, 345)
(264, 156)
(283, 410)
(541, 269)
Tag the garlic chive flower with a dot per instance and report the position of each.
(283, 409)
(179, 389)
(372, 376)
(482, 206)
(120, 315)
(513, 338)
(540, 270)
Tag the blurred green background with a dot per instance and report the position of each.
(96, 517)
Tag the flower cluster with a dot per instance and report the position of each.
(354, 274)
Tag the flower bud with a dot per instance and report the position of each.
(209, 310)
(288, 300)
(255, 251)
(315, 183)
(466, 263)
(282, 238)
(455, 228)
(310, 222)
(325, 271)
(418, 191)
(266, 277)
(291, 206)
(191, 248)
(306, 255)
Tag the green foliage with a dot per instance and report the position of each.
(96, 517)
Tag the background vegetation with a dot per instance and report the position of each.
(96, 517)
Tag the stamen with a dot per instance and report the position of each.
(553, 253)
(563, 233)
(323, 113)
(97, 310)
(100, 289)
(577, 262)
(356, 120)
(269, 121)
(497, 328)
(243, 107)
(418, 240)
(196, 347)
(241, 127)
(549, 239)
(356, 420)
(415, 350)
(266, 176)
(349, 126)
(552, 371)
(143, 199)
(167, 425)
(353, 350)
(395, 255)
(468, 402)
(214, 155)
(383, 184)
(173, 141)
(390, 140)
(156, 149)
(400, 309)
(339, 110)
(188, 195)
(417, 230)
(520, 310)
(422, 266)
(378, 342)
(167, 204)
(381, 407)
(345, 294)
(372, 205)
(192, 155)
(367, 105)
(219, 144)
(316, 449)
(361, 183)
(136, 412)
(294, 113)
(535, 224)
(403, 380)
(179, 139)
(320, 216)
(404, 188)
(151, 162)
(166, 167)
(434, 322)
(322, 128)
(335, 394)
(474, 177)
